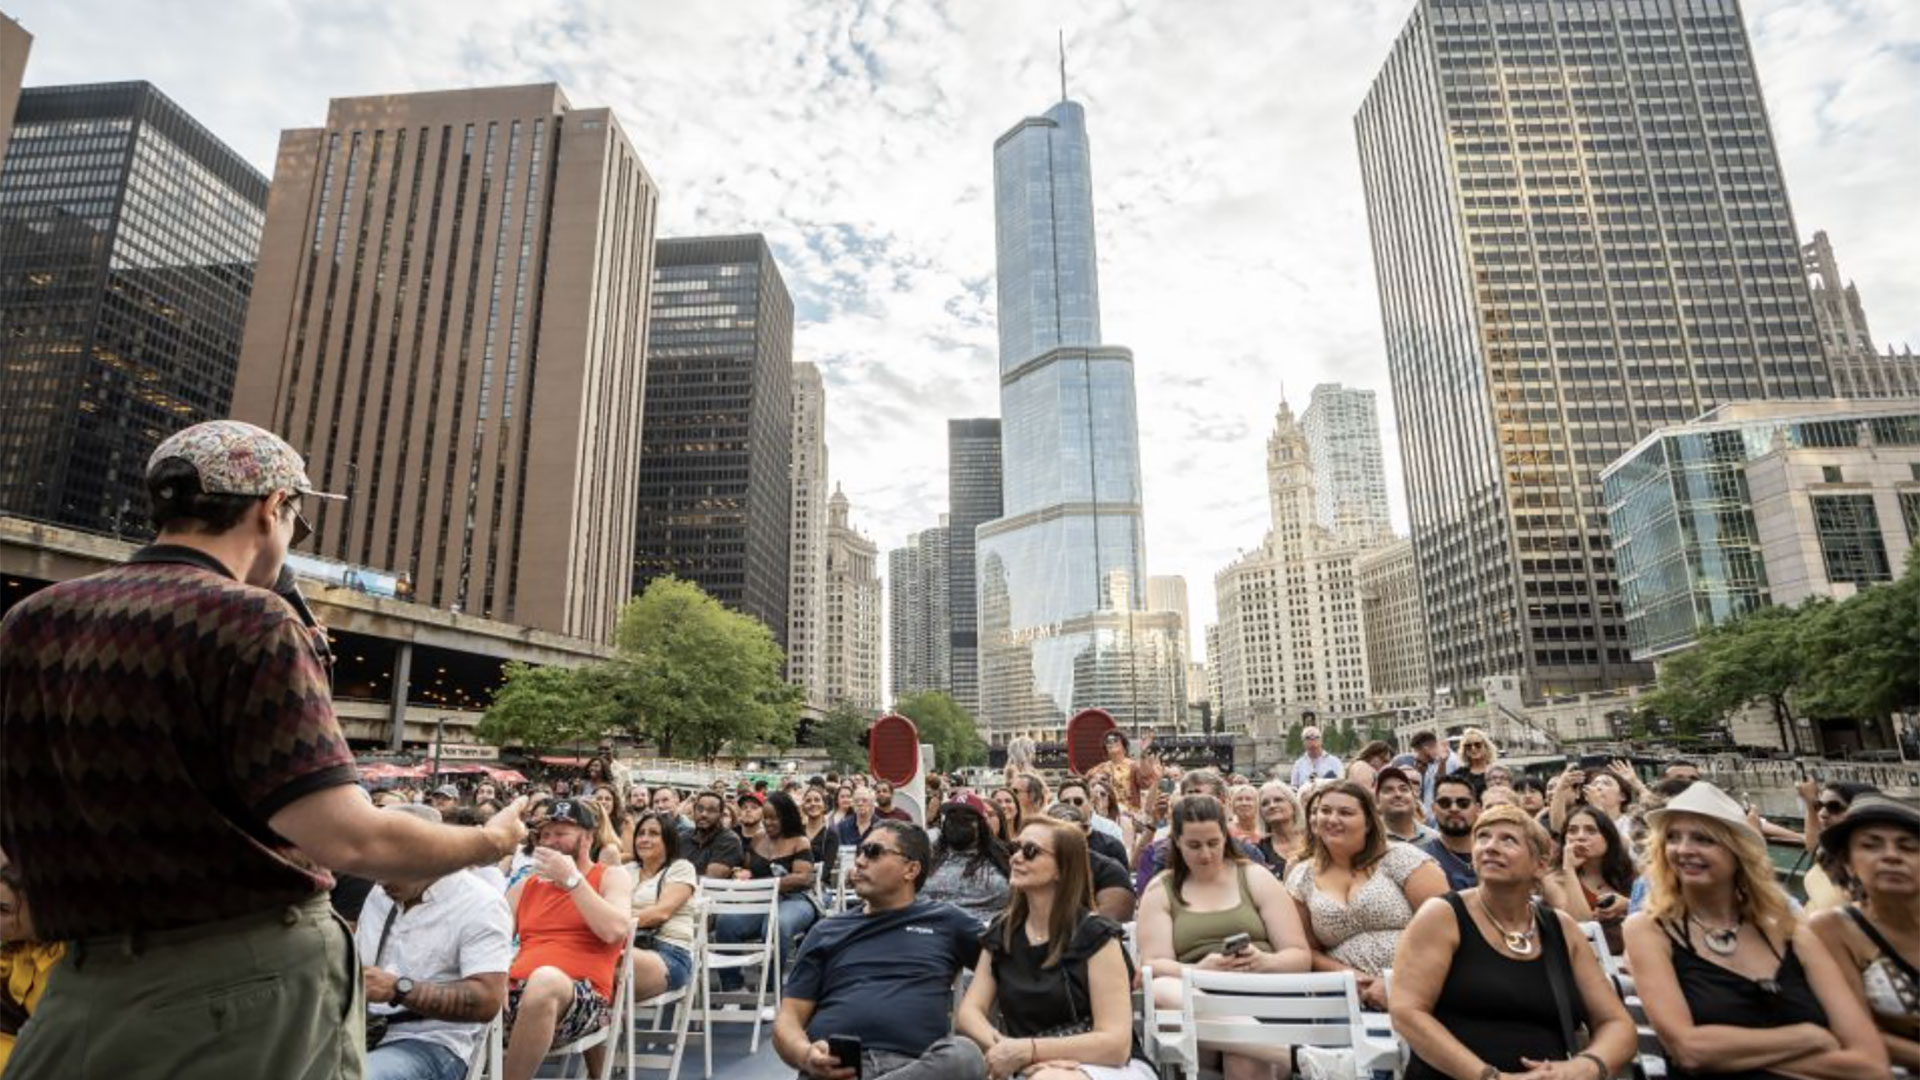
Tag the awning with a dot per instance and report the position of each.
(549, 759)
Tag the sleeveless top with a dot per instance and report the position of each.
(1197, 933)
(1038, 1002)
(553, 934)
(759, 866)
(1717, 995)
(1891, 984)
(1500, 1008)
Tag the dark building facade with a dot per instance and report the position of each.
(1581, 234)
(128, 236)
(973, 499)
(715, 503)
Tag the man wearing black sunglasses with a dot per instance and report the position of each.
(883, 976)
(1456, 807)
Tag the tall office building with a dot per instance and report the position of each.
(1859, 369)
(1289, 635)
(450, 321)
(128, 235)
(15, 43)
(1349, 470)
(1395, 624)
(807, 555)
(973, 499)
(1062, 573)
(1168, 593)
(853, 610)
(1581, 234)
(716, 483)
(920, 646)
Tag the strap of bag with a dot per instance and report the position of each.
(1880, 943)
(380, 950)
(1553, 944)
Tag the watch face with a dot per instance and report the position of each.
(402, 986)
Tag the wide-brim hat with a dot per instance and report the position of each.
(1705, 800)
(1867, 810)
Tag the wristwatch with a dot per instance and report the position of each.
(402, 986)
(572, 882)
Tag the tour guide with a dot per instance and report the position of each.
(172, 780)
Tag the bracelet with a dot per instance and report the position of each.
(1491, 1072)
(1601, 1070)
(1033, 1051)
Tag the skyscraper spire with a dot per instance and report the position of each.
(1063, 65)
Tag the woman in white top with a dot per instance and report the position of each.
(663, 940)
(1357, 888)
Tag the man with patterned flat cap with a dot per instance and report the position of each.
(175, 790)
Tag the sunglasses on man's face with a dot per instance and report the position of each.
(1029, 850)
(1079, 801)
(873, 852)
(1452, 804)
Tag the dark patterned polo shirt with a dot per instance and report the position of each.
(153, 717)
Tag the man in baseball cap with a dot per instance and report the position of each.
(1398, 795)
(212, 882)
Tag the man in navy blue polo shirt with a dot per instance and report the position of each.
(885, 976)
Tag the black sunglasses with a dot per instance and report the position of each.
(872, 851)
(1029, 850)
(1453, 804)
(1832, 806)
(1081, 801)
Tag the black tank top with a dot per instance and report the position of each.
(1716, 995)
(1500, 1008)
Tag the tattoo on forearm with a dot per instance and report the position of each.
(464, 1001)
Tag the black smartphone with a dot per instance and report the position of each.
(1166, 785)
(1236, 944)
(845, 1050)
(1592, 762)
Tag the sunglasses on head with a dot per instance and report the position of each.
(1452, 804)
(872, 851)
(1029, 850)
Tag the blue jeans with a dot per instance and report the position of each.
(413, 1059)
(797, 913)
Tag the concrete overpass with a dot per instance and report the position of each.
(401, 671)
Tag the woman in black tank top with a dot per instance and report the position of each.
(1736, 987)
(1488, 983)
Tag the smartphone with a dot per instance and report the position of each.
(1236, 944)
(845, 1050)
(1166, 785)
(1592, 762)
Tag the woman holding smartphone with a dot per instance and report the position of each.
(1057, 972)
(1596, 874)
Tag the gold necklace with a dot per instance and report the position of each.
(1519, 942)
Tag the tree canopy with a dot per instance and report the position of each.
(945, 725)
(839, 734)
(545, 708)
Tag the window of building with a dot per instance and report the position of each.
(1910, 512)
(1850, 541)
(1830, 474)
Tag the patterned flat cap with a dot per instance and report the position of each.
(235, 458)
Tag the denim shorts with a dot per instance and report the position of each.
(679, 963)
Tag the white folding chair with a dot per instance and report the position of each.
(1649, 1054)
(658, 1033)
(616, 1022)
(487, 1062)
(1162, 1033)
(1597, 937)
(759, 897)
(841, 892)
(1238, 1010)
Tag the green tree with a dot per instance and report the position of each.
(1859, 654)
(944, 724)
(839, 734)
(546, 708)
(692, 676)
(1295, 744)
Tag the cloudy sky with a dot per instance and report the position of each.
(858, 137)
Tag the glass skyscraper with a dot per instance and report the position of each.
(128, 238)
(1581, 234)
(1062, 575)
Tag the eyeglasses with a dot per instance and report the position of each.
(873, 852)
(301, 530)
(1833, 806)
(1452, 804)
(1029, 850)
(1082, 801)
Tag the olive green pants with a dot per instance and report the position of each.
(275, 996)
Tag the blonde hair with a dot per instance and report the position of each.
(1474, 734)
(1507, 814)
(1755, 894)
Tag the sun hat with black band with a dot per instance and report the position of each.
(1868, 810)
(1704, 800)
(573, 812)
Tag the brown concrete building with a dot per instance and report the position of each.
(450, 319)
(14, 43)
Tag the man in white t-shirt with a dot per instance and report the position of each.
(435, 955)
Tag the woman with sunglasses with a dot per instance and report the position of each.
(1056, 973)
(1825, 806)
(1474, 987)
(1477, 754)
(1732, 983)
(1875, 851)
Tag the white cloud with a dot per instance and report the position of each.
(1234, 254)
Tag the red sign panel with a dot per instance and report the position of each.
(1086, 739)
(893, 749)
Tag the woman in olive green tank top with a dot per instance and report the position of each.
(1208, 895)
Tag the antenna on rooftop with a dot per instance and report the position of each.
(1063, 65)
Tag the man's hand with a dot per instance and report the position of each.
(1008, 1056)
(553, 866)
(379, 985)
(821, 1063)
(506, 829)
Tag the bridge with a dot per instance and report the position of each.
(403, 672)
